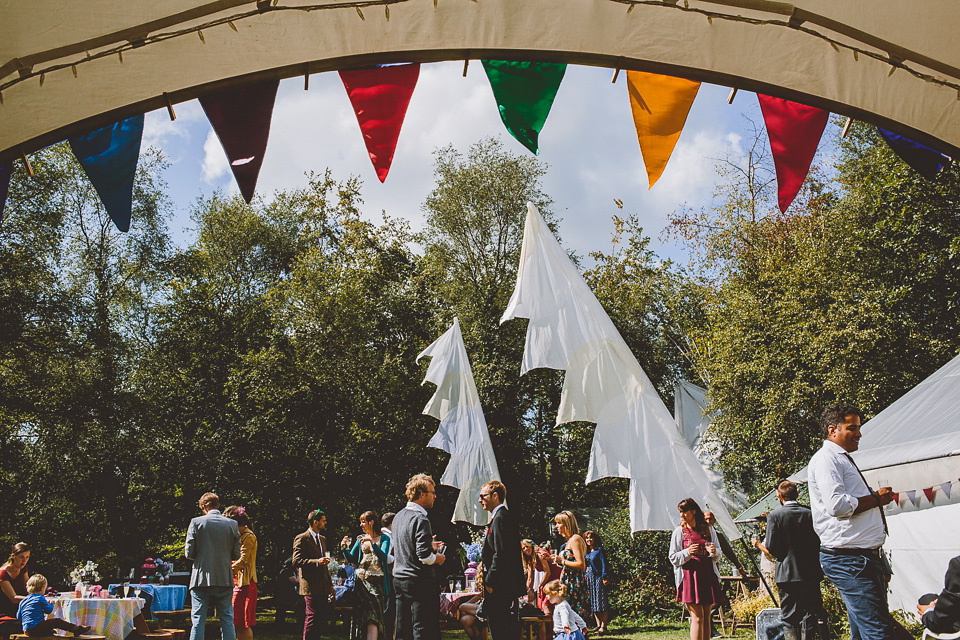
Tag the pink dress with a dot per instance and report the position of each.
(699, 584)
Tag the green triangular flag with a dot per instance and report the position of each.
(524, 92)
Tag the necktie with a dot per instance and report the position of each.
(883, 516)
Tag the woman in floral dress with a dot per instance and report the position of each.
(370, 552)
(573, 561)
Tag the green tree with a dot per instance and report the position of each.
(852, 296)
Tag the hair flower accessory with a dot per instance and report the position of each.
(241, 510)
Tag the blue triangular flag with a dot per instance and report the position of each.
(109, 156)
(921, 158)
(5, 171)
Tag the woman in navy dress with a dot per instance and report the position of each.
(597, 579)
(693, 554)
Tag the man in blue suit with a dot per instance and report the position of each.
(213, 543)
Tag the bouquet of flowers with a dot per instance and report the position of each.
(85, 573)
(164, 568)
(473, 550)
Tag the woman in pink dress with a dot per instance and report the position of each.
(693, 554)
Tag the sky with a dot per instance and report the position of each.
(588, 143)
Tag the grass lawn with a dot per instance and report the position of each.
(267, 629)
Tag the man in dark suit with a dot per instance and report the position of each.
(311, 557)
(503, 578)
(793, 542)
(942, 615)
(213, 542)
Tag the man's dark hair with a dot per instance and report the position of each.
(787, 490)
(387, 520)
(835, 414)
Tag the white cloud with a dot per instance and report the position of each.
(214, 165)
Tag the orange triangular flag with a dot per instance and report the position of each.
(660, 105)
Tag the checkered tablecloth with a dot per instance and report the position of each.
(450, 603)
(110, 617)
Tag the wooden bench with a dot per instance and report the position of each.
(535, 627)
(23, 636)
(178, 634)
(174, 616)
(156, 635)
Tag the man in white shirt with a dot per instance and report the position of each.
(848, 517)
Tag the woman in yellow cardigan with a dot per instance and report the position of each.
(244, 576)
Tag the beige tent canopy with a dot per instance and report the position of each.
(67, 67)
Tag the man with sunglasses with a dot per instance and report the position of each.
(503, 577)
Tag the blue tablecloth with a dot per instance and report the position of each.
(166, 597)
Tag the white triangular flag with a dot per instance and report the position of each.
(463, 429)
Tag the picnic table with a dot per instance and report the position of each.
(113, 618)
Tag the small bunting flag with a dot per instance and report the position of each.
(945, 487)
(912, 497)
(524, 92)
(896, 499)
(241, 119)
(924, 160)
(109, 156)
(930, 494)
(794, 130)
(660, 105)
(5, 172)
(380, 97)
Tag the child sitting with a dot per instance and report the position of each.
(33, 610)
(567, 623)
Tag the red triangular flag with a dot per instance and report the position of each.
(896, 499)
(794, 130)
(930, 494)
(380, 97)
(241, 119)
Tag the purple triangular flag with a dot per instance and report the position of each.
(241, 119)
(912, 497)
(109, 156)
(945, 487)
(924, 160)
(5, 171)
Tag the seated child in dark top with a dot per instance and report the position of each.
(33, 610)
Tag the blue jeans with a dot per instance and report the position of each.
(221, 599)
(862, 582)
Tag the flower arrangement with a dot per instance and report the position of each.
(473, 550)
(85, 573)
(164, 568)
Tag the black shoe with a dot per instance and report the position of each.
(81, 631)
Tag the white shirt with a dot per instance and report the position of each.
(835, 484)
(563, 614)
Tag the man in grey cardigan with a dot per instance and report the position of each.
(415, 550)
(213, 542)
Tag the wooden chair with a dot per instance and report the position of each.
(178, 634)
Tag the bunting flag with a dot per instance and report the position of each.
(380, 97)
(109, 156)
(660, 105)
(463, 430)
(524, 92)
(794, 130)
(6, 171)
(896, 499)
(945, 487)
(912, 497)
(241, 119)
(921, 158)
(930, 494)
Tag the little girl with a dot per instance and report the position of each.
(33, 610)
(565, 618)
